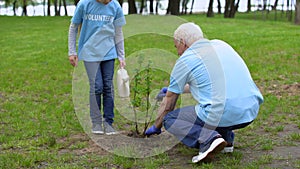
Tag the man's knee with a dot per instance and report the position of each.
(169, 119)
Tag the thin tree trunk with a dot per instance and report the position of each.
(156, 7)
(44, 7)
(275, 5)
(55, 8)
(151, 6)
(192, 6)
(65, 7)
(219, 7)
(76, 2)
(168, 8)
(48, 8)
(24, 13)
(142, 6)
(14, 7)
(121, 2)
(236, 7)
(249, 6)
(59, 8)
(264, 5)
(230, 9)
(210, 12)
(297, 12)
(184, 6)
(290, 16)
(226, 12)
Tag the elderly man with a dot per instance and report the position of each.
(219, 80)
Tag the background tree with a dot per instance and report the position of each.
(248, 5)
(275, 5)
(184, 6)
(132, 7)
(56, 8)
(173, 7)
(121, 2)
(151, 6)
(142, 6)
(65, 7)
(14, 4)
(157, 6)
(230, 8)
(48, 8)
(219, 7)
(24, 7)
(297, 12)
(76, 2)
(210, 12)
(192, 6)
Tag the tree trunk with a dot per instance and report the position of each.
(142, 6)
(14, 7)
(24, 13)
(44, 7)
(297, 12)
(249, 6)
(184, 6)
(76, 2)
(59, 8)
(121, 2)
(173, 7)
(236, 7)
(55, 8)
(219, 7)
(151, 6)
(264, 5)
(65, 7)
(48, 8)
(132, 8)
(275, 5)
(226, 11)
(210, 12)
(230, 9)
(192, 6)
(156, 8)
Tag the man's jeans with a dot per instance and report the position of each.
(192, 131)
(100, 76)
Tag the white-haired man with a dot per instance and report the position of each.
(220, 82)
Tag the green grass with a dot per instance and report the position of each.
(38, 119)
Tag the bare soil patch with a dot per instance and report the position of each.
(280, 90)
(281, 157)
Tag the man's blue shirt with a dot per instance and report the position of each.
(219, 81)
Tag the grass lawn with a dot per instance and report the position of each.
(40, 128)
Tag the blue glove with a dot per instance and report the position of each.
(161, 94)
(152, 130)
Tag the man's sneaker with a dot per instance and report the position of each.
(216, 146)
(97, 129)
(109, 130)
(227, 149)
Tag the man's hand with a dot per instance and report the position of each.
(161, 94)
(152, 130)
(73, 60)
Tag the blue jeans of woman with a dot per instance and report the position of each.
(100, 75)
(192, 131)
